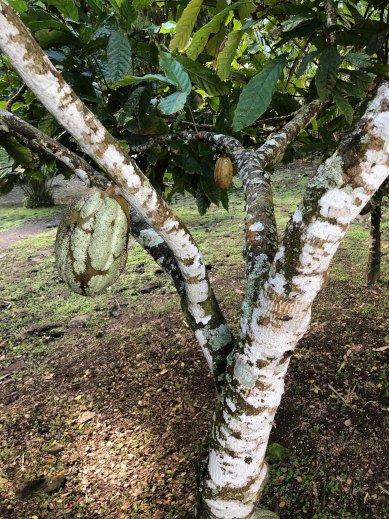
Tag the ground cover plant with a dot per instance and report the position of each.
(339, 64)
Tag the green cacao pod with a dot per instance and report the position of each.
(91, 244)
(223, 172)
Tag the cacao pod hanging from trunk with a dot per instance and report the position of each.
(91, 244)
(223, 172)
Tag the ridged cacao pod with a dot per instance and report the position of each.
(223, 172)
(91, 244)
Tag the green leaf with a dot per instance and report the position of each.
(327, 72)
(210, 188)
(358, 59)
(264, 514)
(185, 25)
(126, 12)
(20, 6)
(130, 80)
(349, 88)
(66, 7)
(38, 25)
(300, 25)
(246, 10)
(257, 95)
(97, 5)
(188, 163)
(201, 200)
(119, 55)
(376, 42)
(175, 72)
(227, 54)
(277, 452)
(344, 106)
(173, 103)
(204, 78)
(5, 162)
(200, 38)
(308, 58)
(224, 198)
(359, 78)
(139, 4)
(133, 100)
(17, 151)
(215, 41)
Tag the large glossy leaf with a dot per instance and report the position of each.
(130, 80)
(359, 59)
(5, 162)
(173, 103)
(16, 150)
(207, 180)
(327, 72)
(349, 88)
(227, 54)
(133, 100)
(300, 25)
(257, 95)
(139, 4)
(126, 12)
(119, 55)
(307, 59)
(204, 78)
(20, 6)
(185, 25)
(359, 78)
(344, 106)
(175, 72)
(66, 7)
(200, 38)
(201, 200)
(214, 43)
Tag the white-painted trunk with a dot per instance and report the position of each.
(281, 316)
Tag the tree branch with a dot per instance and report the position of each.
(330, 9)
(56, 95)
(16, 97)
(273, 150)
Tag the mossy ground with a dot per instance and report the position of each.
(120, 399)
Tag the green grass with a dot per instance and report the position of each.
(16, 216)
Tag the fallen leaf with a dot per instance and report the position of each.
(85, 417)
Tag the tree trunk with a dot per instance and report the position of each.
(374, 263)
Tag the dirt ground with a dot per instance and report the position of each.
(117, 409)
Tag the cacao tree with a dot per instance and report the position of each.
(283, 275)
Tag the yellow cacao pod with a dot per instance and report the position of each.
(223, 172)
(91, 244)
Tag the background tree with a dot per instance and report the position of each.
(282, 280)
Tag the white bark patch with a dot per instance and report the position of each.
(203, 341)
(256, 227)
(149, 238)
(298, 216)
(228, 509)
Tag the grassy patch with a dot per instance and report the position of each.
(16, 216)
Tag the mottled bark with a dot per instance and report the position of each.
(330, 9)
(56, 95)
(236, 470)
(273, 150)
(374, 262)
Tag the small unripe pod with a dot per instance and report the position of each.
(91, 244)
(223, 172)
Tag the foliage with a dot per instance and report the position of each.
(239, 68)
